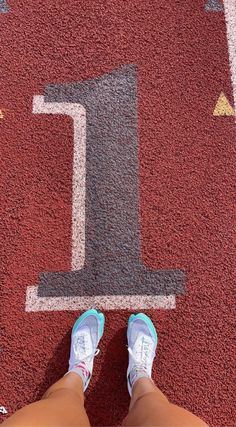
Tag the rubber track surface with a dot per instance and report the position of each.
(187, 185)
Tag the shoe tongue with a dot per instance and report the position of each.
(83, 345)
(144, 341)
(142, 347)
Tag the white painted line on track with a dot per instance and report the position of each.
(230, 18)
(78, 114)
(107, 302)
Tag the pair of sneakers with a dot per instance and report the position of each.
(85, 337)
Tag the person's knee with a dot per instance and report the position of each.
(184, 417)
(145, 409)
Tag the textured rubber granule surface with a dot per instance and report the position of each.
(187, 179)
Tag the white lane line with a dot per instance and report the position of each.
(78, 114)
(107, 302)
(230, 18)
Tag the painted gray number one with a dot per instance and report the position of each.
(106, 258)
(4, 8)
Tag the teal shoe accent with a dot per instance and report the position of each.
(92, 312)
(147, 320)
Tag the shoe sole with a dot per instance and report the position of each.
(92, 312)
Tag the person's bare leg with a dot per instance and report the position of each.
(61, 406)
(150, 407)
(63, 403)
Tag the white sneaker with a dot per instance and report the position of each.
(85, 336)
(142, 344)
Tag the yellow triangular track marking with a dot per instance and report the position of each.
(223, 107)
(1, 114)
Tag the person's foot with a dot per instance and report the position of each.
(142, 343)
(85, 336)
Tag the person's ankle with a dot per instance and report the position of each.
(74, 382)
(145, 382)
(135, 375)
(141, 387)
(82, 371)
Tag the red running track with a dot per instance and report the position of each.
(187, 184)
